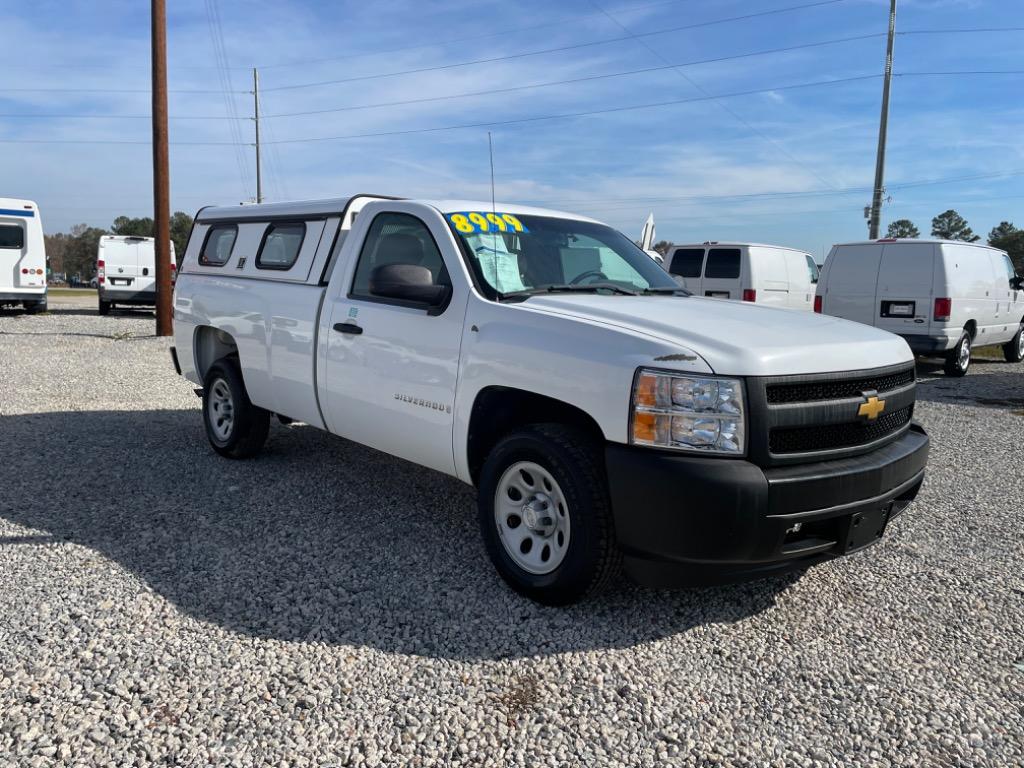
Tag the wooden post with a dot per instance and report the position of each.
(161, 172)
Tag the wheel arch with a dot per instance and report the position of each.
(971, 326)
(209, 345)
(499, 410)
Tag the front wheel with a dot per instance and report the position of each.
(958, 359)
(234, 426)
(1013, 350)
(545, 514)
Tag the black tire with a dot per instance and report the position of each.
(956, 363)
(247, 427)
(592, 558)
(104, 307)
(1013, 350)
(34, 307)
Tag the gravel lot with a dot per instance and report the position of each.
(327, 605)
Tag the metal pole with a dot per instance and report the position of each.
(883, 129)
(256, 118)
(161, 181)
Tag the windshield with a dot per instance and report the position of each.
(520, 255)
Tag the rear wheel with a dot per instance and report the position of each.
(104, 307)
(234, 426)
(34, 307)
(545, 514)
(958, 359)
(1013, 350)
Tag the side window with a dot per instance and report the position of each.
(397, 238)
(1010, 271)
(12, 236)
(723, 263)
(220, 241)
(687, 262)
(281, 244)
(812, 269)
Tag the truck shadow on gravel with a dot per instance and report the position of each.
(987, 385)
(318, 540)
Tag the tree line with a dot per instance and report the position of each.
(950, 225)
(73, 253)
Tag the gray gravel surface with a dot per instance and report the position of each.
(326, 605)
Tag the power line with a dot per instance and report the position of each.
(576, 46)
(224, 73)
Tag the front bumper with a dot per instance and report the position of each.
(691, 520)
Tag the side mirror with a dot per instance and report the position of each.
(1017, 283)
(408, 282)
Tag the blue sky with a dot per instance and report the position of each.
(709, 168)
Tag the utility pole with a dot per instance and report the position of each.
(256, 118)
(161, 172)
(875, 220)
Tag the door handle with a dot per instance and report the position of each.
(348, 328)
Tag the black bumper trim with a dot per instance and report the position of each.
(174, 359)
(921, 344)
(693, 520)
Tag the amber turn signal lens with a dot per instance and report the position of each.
(646, 391)
(645, 427)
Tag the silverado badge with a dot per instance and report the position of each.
(872, 407)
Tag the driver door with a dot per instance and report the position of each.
(389, 369)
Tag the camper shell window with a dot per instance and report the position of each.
(12, 236)
(217, 247)
(281, 245)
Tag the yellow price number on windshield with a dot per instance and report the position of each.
(474, 222)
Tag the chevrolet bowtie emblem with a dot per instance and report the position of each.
(871, 408)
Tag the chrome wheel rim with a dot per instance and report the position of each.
(532, 518)
(221, 409)
(965, 354)
(1020, 342)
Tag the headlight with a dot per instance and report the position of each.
(689, 413)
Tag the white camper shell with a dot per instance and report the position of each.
(772, 275)
(943, 297)
(126, 271)
(22, 255)
(604, 415)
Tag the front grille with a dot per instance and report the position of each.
(808, 391)
(826, 437)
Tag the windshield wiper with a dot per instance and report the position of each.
(666, 290)
(567, 288)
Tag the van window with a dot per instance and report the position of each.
(220, 241)
(812, 269)
(12, 236)
(723, 263)
(281, 245)
(687, 262)
(1010, 271)
(397, 238)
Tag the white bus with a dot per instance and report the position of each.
(22, 255)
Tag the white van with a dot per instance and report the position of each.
(764, 274)
(22, 255)
(943, 297)
(126, 271)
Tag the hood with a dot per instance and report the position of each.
(738, 338)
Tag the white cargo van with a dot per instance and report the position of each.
(126, 271)
(604, 415)
(22, 255)
(943, 297)
(763, 274)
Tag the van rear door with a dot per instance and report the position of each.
(852, 274)
(145, 265)
(905, 279)
(13, 245)
(722, 270)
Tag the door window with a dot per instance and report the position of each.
(687, 262)
(723, 263)
(12, 236)
(812, 269)
(281, 245)
(397, 238)
(1010, 271)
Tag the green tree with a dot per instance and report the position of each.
(124, 225)
(663, 246)
(902, 228)
(1007, 237)
(950, 225)
(80, 255)
(181, 228)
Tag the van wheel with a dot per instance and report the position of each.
(234, 426)
(34, 307)
(545, 514)
(958, 359)
(1013, 350)
(104, 307)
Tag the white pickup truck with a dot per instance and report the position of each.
(605, 416)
